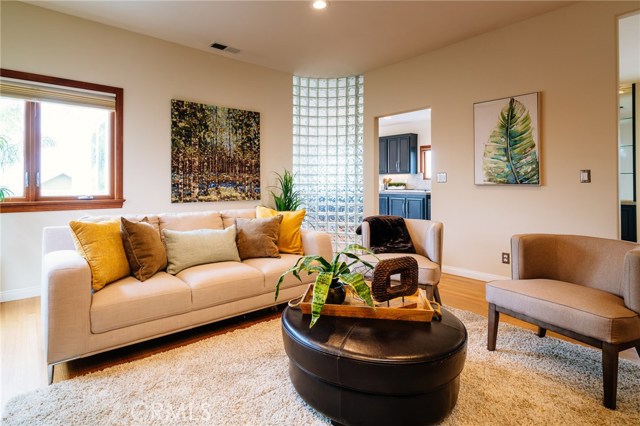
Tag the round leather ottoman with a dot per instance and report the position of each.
(376, 372)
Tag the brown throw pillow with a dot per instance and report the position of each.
(258, 237)
(144, 248)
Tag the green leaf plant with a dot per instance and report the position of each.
(510, 155)
(289, 199)
(338, 270)
(4, 193)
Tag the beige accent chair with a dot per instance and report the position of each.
(585, 288)
(426, 236)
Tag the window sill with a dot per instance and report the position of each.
(58, 205)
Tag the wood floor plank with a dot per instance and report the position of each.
(23, 364)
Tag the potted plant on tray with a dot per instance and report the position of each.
(332, 278)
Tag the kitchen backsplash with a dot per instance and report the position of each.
(414, 181)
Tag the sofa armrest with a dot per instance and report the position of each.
(631, 280)
(317, 243)
(426, 236)
(65, 304)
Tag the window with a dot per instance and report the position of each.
(60, 143)
(425, 161)
(328, 153)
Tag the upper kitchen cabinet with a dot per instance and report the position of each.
(398, 154)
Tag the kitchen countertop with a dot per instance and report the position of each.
(405, 191)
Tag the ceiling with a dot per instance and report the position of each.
(346, 38)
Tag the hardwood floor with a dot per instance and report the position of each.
(23, 368)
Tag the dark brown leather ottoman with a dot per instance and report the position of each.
(376, 372)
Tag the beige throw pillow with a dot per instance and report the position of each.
(191, 248)
(144, 248)
(258, 237)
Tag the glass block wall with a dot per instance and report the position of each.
(328, 153)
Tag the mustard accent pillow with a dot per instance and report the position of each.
(101, 245)
(289, 238)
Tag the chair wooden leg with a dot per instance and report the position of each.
(50, 373)
(610, 374)
(541, 332)
(494, 318)
(638, 350)
(436, 294)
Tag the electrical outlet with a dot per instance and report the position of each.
(506, 258)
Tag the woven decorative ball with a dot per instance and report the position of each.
(381, 288)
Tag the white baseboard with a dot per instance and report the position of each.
(476, 275)
(20, 293)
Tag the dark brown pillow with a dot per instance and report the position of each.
(144, 249)
(258, 237)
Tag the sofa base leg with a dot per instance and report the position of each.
(50, 372)
(541, 332)
(494, 318)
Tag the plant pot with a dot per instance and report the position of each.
(337, 293)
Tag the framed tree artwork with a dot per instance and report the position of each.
(215, 153)
(507, 141)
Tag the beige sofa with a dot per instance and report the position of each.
(78, 322)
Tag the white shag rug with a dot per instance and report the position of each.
(241, 378)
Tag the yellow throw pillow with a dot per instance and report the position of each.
(289, 238)
(101, 245)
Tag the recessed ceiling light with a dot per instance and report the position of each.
(319, 4)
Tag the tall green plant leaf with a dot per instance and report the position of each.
(320, 292)
(510, 152)
(289, 199)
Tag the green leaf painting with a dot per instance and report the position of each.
(215, 153)
(510, 153)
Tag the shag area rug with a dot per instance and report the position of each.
(241, 378)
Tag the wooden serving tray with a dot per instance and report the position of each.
(413, 308)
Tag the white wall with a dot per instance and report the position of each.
(151, 72)
(568, 55)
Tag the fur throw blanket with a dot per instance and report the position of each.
(388, 234)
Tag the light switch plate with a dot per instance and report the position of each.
(441, 177)
(585, 176)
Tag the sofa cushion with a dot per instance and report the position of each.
(584, 310)
(101, 245)
(229, 216)
(290, 239)
(216, 283)
(428, 271)
(190, 248)
(128, 302)
(144, 249)
(273, 268)
(190, 221)
(258, 237)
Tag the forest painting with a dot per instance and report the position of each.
(215, 153)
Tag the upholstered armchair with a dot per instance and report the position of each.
(585, 288)
(426, 236)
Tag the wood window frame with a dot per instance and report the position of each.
(423, 166)
(32, 202)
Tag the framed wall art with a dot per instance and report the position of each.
(507, 141)
(215, 153)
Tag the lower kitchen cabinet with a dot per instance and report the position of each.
(409, 206)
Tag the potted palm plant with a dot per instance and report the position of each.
(333, 277)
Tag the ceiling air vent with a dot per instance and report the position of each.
(224, 47)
